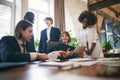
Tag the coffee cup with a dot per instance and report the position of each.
(52, 56)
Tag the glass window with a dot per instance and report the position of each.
(10, 0)
(102, 38)
(41, 8)
(109, 27)
(41, 5)
(5, 18)
(69, 24)
(39, 23)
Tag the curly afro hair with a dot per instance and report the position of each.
(92, 19)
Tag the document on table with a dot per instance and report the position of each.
(59, 65)
(72, 63)
(86, 63)
(81, 59)
(113, 62)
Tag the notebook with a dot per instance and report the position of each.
(7, 65)
(58, 65)
(81, 59)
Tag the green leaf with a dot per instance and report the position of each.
(107, 45)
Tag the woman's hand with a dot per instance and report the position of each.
(69, 52)
(42, 56)
(79, 51)
(89, 52)
(62, 53)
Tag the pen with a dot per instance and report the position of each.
(87, 44)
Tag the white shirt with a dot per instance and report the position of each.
(33, 55)
(90, 35)
(20, 44)
(48, 33)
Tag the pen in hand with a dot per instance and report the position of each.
(87, 45)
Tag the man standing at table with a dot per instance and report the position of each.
(49, 34)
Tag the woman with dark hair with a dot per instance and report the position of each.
(18, 48)
(30, 17)
(88, 36)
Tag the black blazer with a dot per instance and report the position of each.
(62, 47)
(10, 50)
(54, 36)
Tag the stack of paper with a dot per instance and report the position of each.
(59, 65)
(113, 62)
(81, 59)
(72, 63)
(86, 63)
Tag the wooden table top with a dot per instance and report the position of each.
(33, 71)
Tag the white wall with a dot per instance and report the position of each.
(73, 8)
(24, 8)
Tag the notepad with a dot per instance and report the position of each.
(112, 63)
(59, 65)
(81, 59)
(87, 63)
(83, 62)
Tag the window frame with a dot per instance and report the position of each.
(41, 12)
(12, 6)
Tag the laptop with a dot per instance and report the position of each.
(51, 44)
(7, 65)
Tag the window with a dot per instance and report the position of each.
(41, 9)
(69, 24)
(6, 18)
(110, 33)
(10, 0)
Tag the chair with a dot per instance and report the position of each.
(51, 44)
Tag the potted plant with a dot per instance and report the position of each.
(36, 43)
(107, 46)
(73, 40)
